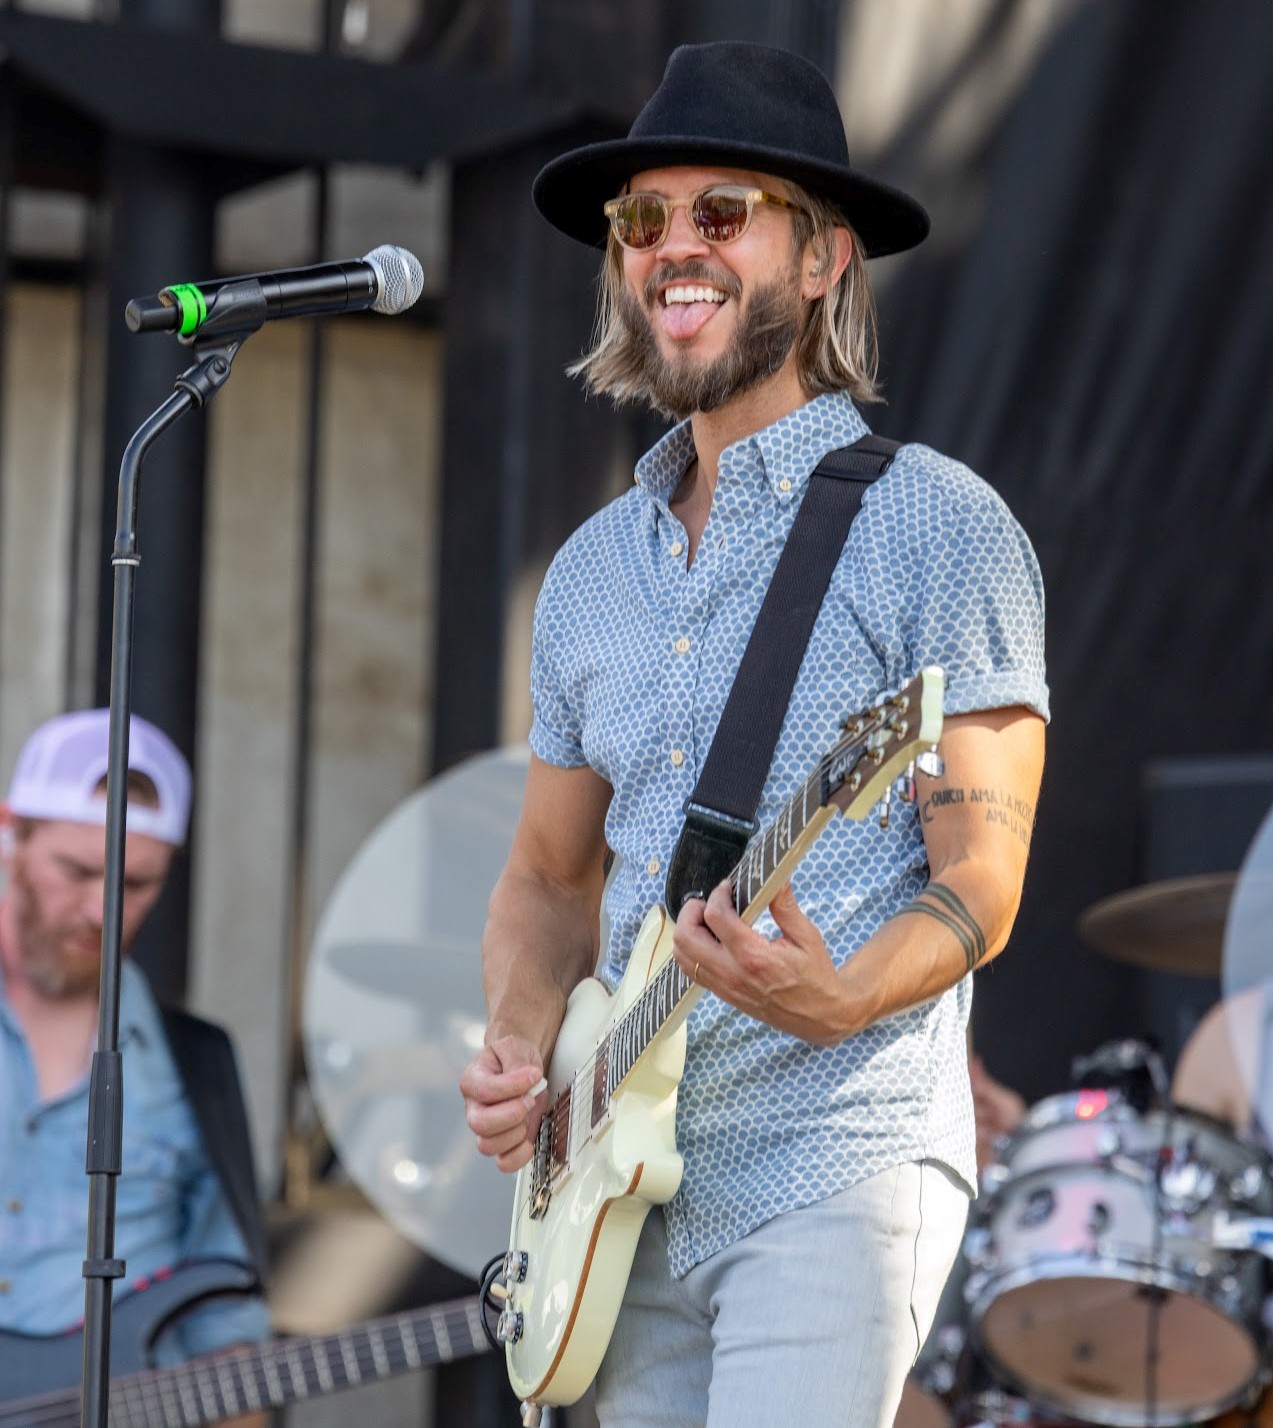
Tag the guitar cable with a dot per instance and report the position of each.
(492, 1293)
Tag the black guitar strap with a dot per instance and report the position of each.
(720, 815)
(208, 1070)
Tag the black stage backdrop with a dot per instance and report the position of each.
(1098, 343)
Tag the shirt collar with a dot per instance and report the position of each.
(787, 450)
(137, 1018)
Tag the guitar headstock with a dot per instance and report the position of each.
(880, 742)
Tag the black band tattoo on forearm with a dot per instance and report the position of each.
(946, 907)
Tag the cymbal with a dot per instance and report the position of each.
(1171, 926)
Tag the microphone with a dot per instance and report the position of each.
(387, 280)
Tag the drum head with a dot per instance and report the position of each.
(1109, 1351)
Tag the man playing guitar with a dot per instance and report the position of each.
(825, 1116)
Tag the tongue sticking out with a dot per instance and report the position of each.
(682, 320)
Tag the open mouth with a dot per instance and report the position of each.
(684, 308)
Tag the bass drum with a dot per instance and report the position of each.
(1096, 1286)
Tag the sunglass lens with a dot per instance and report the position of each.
(640, 219)
(720, 216)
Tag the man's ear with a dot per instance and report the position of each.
(8, 837)
(819, 275)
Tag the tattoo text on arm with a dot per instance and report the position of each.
(998, 805)
(946, 907)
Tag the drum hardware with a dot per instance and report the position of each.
(1248, 1232)
(1245, 1186)
(1186, 1185)
(1132, 1068)
(1109, 1144)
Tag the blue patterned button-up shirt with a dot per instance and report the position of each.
(169, 1203)
(632, 660)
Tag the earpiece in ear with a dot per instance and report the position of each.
(6, 839)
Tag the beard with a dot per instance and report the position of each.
(52, 966)
(679, 386)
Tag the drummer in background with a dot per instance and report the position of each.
(1225, 1070)
(1226, 1067)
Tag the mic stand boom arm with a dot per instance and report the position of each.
(195, 387)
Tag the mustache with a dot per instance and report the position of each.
(693, 271)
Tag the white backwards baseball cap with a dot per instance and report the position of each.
(64, 761)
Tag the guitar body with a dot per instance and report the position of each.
(579, 1252)
(605, 1150)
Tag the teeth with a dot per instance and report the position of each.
(688, 294)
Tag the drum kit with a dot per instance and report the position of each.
(1115, 1270)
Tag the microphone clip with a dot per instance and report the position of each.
(236, 310)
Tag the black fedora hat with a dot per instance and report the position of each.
(736, 105)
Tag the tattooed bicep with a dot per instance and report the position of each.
(984, 801)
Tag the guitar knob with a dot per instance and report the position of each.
(509, 1326)
(931, 763)
(516, 1265)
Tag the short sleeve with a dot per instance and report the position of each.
(556, 733)
(980, 607)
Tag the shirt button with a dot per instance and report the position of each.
(676, 547)
(13, 1206)
(5, 1286)
(677, 757)
(652, 867)
(682, 645)
(784, 484)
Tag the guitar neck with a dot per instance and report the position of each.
(772, 855)
(849, 777)
(766, 865)
(250, 1380)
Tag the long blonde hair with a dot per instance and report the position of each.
(837, 349)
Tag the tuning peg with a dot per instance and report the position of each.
(886, 804)
(905, 784)
(930, 762)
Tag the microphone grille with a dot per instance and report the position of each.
(400, 276)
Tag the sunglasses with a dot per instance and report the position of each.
(719, 214)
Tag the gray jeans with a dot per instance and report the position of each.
(813, 1319)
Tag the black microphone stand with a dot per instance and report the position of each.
(215, 346)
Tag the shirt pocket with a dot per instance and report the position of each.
(152, 1175)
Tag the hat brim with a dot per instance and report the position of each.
(570, 190)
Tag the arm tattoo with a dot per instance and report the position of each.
(946, 907)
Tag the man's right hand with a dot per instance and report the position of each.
(499, 1106)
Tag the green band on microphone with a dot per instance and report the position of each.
(193, 307)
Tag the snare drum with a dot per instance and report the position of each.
(1095, 1285)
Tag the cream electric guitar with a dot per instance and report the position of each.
(606, 1147)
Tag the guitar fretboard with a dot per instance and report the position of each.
(752, 881)
(250, 1380)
